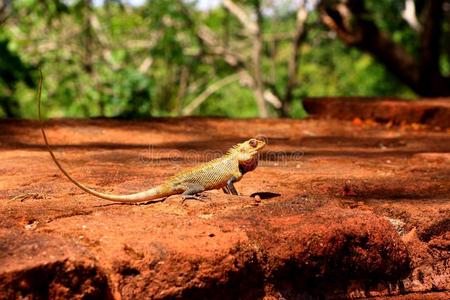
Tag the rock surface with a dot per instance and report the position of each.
(433, 112)
(338, 209)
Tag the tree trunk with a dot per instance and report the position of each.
(353, 25)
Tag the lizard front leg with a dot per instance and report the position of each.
(230, 186)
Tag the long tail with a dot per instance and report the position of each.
(154, 193)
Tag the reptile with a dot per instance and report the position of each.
(221, 172)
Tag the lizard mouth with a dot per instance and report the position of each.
(255, 152)
(259, 148)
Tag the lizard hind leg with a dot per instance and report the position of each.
(192, 193)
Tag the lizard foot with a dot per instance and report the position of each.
(198, 197)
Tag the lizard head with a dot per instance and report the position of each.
(248, 150)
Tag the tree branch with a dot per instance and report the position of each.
(242, 16)
(208, 92)
(250, 73)
(212, 46)
(293, 62)
(409, 15)
(5, 6)
(353, 25)
(257, 41)
(430, 37)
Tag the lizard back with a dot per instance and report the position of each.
(211, 175)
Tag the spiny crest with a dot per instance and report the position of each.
(233, 149)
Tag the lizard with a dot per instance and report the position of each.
(221, 172)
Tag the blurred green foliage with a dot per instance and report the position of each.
(118, 60)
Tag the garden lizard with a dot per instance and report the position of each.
(219, 173)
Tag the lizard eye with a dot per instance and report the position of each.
(253, 143)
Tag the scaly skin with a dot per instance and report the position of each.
(218, 173)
